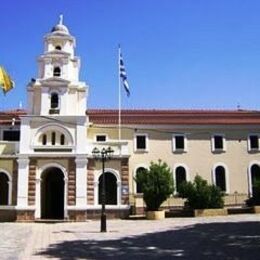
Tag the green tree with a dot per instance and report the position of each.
(201, 195)
(156, 184)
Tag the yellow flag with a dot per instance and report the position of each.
(5, 81)
(1, 78)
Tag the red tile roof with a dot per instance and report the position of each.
(6, 117)
(176, 117)
(158, 117)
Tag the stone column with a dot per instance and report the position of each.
(81, 181)
(23, 174)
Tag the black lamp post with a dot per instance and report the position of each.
(103, 154)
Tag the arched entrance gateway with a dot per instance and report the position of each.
(52, 194)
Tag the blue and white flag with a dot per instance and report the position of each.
(122, 73)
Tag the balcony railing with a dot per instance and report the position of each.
(9, 148)
(119, 148)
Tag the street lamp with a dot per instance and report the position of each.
(103, 154)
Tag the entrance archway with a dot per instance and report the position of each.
(111, 188)
(52, 194)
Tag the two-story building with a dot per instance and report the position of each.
(47, 169)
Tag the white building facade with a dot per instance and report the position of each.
(47, 170)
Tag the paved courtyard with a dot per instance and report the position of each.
(231, 237)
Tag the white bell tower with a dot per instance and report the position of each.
(55, 127)
(57, 90)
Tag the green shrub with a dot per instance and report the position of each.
(201, 195)
(156, 184)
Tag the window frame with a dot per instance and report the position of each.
(174, 146)
(44, 139)
(215, 166)
(176, 177)
(96, 136)
(53, 138)
(187, 172)
(60, 71)
(216, 177)
(250, 149)
(218, 150)
(54, 110)
(11, 130)
(144, 166)
(62, 139)
(141, 150)
(51, 100)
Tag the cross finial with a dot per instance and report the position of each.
(61, 19)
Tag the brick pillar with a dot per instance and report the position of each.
(14, 184)
(72, 183)
(32, 182)
(125, 181)
(90, 182)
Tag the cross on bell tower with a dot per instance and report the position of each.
(61, 19)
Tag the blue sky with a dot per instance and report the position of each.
(180, 54)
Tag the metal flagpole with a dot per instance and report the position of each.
(119, 98)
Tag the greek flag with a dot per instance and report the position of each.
(122, 73)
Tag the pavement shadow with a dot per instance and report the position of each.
(201, 241)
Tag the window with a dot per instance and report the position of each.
(180, 177)
(220, 178)
(141, 143)
(11, 135)
(255, 178)
(53, 138)
(253, 143)
(58, 47)
(44, 139)
(56, 72)
(54, 103)
(54, 100)
(62, 139)
(179, 143)
(139, 171)
(101, 138)
(218, 143)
